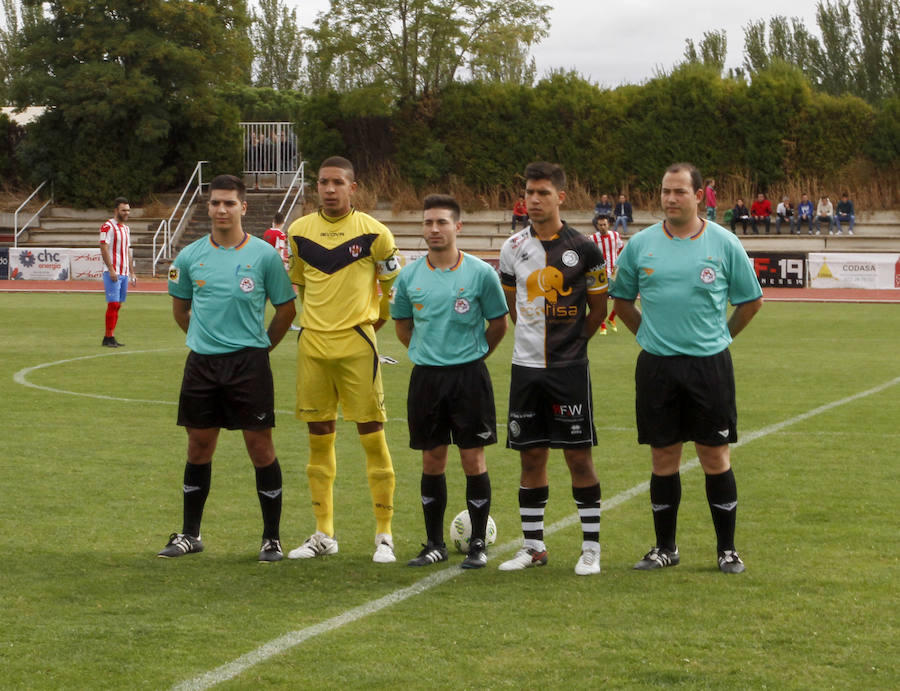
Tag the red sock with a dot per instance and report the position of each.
(612, 316)
(112, 316)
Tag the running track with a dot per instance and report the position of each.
(158, 285)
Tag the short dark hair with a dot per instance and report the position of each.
(229, 182)
(339, 162)
(119, 200)
(696, 178)
(442, 201)
(596, 220)
(278, 218)
(541, 170)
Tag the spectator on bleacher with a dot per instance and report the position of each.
(519, 213)
(710, 198)
(623, 213)
(760, 212)
(845, 213)
(602, 208)
(805, 212)
(825, 212)
(784, 213)
(739, 213)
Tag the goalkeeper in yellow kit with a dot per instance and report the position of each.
(339, 256)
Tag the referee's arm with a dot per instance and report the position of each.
(404, 329)
(281, 322)
(628, 312)
(742, 315)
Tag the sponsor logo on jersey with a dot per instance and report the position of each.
(708, 275)
(174, 274)
(355, 251)
(547, 283)
(247, 284)
(461, 306)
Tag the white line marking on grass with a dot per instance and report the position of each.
(21, 377)
(289, 640)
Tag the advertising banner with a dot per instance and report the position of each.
(4, 263)
(86, 264)
(873, 271)
(779, 269)
(38, 264)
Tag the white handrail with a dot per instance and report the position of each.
(298, 194)
(18, 231)
(165, 226)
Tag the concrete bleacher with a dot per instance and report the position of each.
(483, 233)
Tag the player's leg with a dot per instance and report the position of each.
(429, 432)
(529, 433)
(317, 406)
(658, 404)
(358, 382)
(713, 414)
(268, 490)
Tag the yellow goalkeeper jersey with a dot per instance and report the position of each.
(338, 262)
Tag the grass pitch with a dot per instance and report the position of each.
(90, 471)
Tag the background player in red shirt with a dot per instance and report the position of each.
(275, 236)
(115, 247)
(760, 210)
(610, 243)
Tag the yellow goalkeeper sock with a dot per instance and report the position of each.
(321, 471)
(380, 472)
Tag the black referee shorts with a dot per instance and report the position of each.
(453, 404)
(232, 390)
(684, 398)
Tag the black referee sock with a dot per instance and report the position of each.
(268, 489)
(478, 500)
(721, 492)
(532, 502)
(587, 501)
(196, 490)
(434, 503)
(665, 496)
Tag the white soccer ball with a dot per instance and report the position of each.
(461, 532)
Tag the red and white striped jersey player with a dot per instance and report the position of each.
(610, 243)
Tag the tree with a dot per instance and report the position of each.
(277, 48)
(756, 56)
(713, 49)
(16, 20)
(417, 47)
(131, 91)
(834, 60)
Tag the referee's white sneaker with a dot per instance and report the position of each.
(317, 545)
(589, 561)
(384, 549)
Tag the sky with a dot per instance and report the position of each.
(614, 42)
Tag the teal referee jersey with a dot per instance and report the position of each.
(448, 308)
(685, 286)
(228, 288)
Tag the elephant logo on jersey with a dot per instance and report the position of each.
(546, 283)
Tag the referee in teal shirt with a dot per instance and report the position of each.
(440, 304)
(686, 271)
(219, 287)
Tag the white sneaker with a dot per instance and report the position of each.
(525, 558)
(384, 549)
(317, 545)
(850, 232)
(588, 563)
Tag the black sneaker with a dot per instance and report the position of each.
(270, 550)
(730, 562)
(116, 343)
(430, 554)
(477, 558)
(658, 558)
(179, 544)
(109, 342)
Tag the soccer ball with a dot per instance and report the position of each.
(461, 532)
